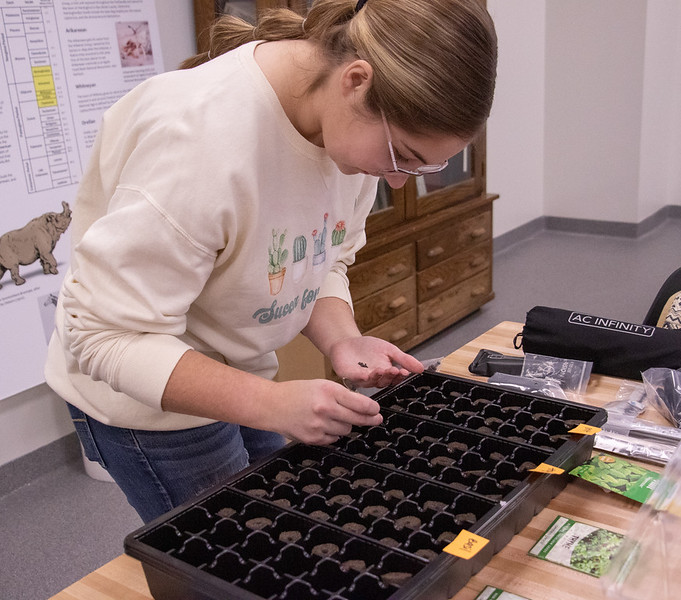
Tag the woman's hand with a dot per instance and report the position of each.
(319, 411)
(371, 362)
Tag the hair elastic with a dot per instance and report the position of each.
(360, 4)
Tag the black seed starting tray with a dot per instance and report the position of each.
(369, 517)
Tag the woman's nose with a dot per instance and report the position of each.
(396, 180)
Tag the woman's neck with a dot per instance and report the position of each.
(291, 66)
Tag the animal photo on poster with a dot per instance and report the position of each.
(35, 241)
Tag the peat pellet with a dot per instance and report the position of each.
(375, 510)
(476, 472)
(338, 471)
(509, 482)
(434, 505)
(226, 513)
(395, 578)
(442, 461)
(324, 550)
(457, 446)
(283, 502)
(465, 413)
(446, 536)
(290, 537)
(320, 515)
(498, 456)
(258, 523)
(284, 476)
(408, 522)
(312, 488)
(430, 439)
(356, 528)
(390, 494)
(412, 452)
(258, 493)
(466, 518)
(308, 462)
(366, 483)
(353, 565)
(526, 466)
(492, 421)
(341, 499)
(485, 430)
(426, 553)
(391, 542)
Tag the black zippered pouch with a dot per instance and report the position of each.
(614, 347)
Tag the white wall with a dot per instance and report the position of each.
(594, 89)
(515, 131)
(587, 116)
(36, 417)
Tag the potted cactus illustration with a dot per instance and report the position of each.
(337, 237)
(319, 255)
(299, 257)
(278, 255)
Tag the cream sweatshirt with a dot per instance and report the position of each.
(204, 220)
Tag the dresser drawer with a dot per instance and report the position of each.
(456, 302)
(460, 236)
(375, 274)
(399, 330)
(382, 306)
(451, 271)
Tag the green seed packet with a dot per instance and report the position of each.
(492, 593)
(619, 475)
(577, 545)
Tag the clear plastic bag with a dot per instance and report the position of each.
(528, 385)
(663, 391)
(648, 563)
(629, 400)
(571, 375)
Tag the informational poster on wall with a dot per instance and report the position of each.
(64, 62)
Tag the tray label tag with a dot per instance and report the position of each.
(466, 545)
(585, 429)
(550, 469)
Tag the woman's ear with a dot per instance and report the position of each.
(356, 79)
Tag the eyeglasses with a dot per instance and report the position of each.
(422, 170)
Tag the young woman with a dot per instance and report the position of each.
(220, 210)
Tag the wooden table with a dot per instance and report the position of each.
(511, 569)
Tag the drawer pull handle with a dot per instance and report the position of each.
(396, 336)
(478, 291)
(436, 251)
(397, 302)
(433, 283)
(477, 261)
(435, 315)
(396, 269)
(478, 232)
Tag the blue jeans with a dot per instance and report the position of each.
(159, 470)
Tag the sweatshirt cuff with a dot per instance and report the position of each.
(146, 367)
(336, 285)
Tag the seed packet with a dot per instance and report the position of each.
(491, 593)
(577, 545)
(619, 475)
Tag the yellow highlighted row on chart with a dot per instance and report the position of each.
(43, 82)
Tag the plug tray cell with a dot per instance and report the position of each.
(370, 516)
